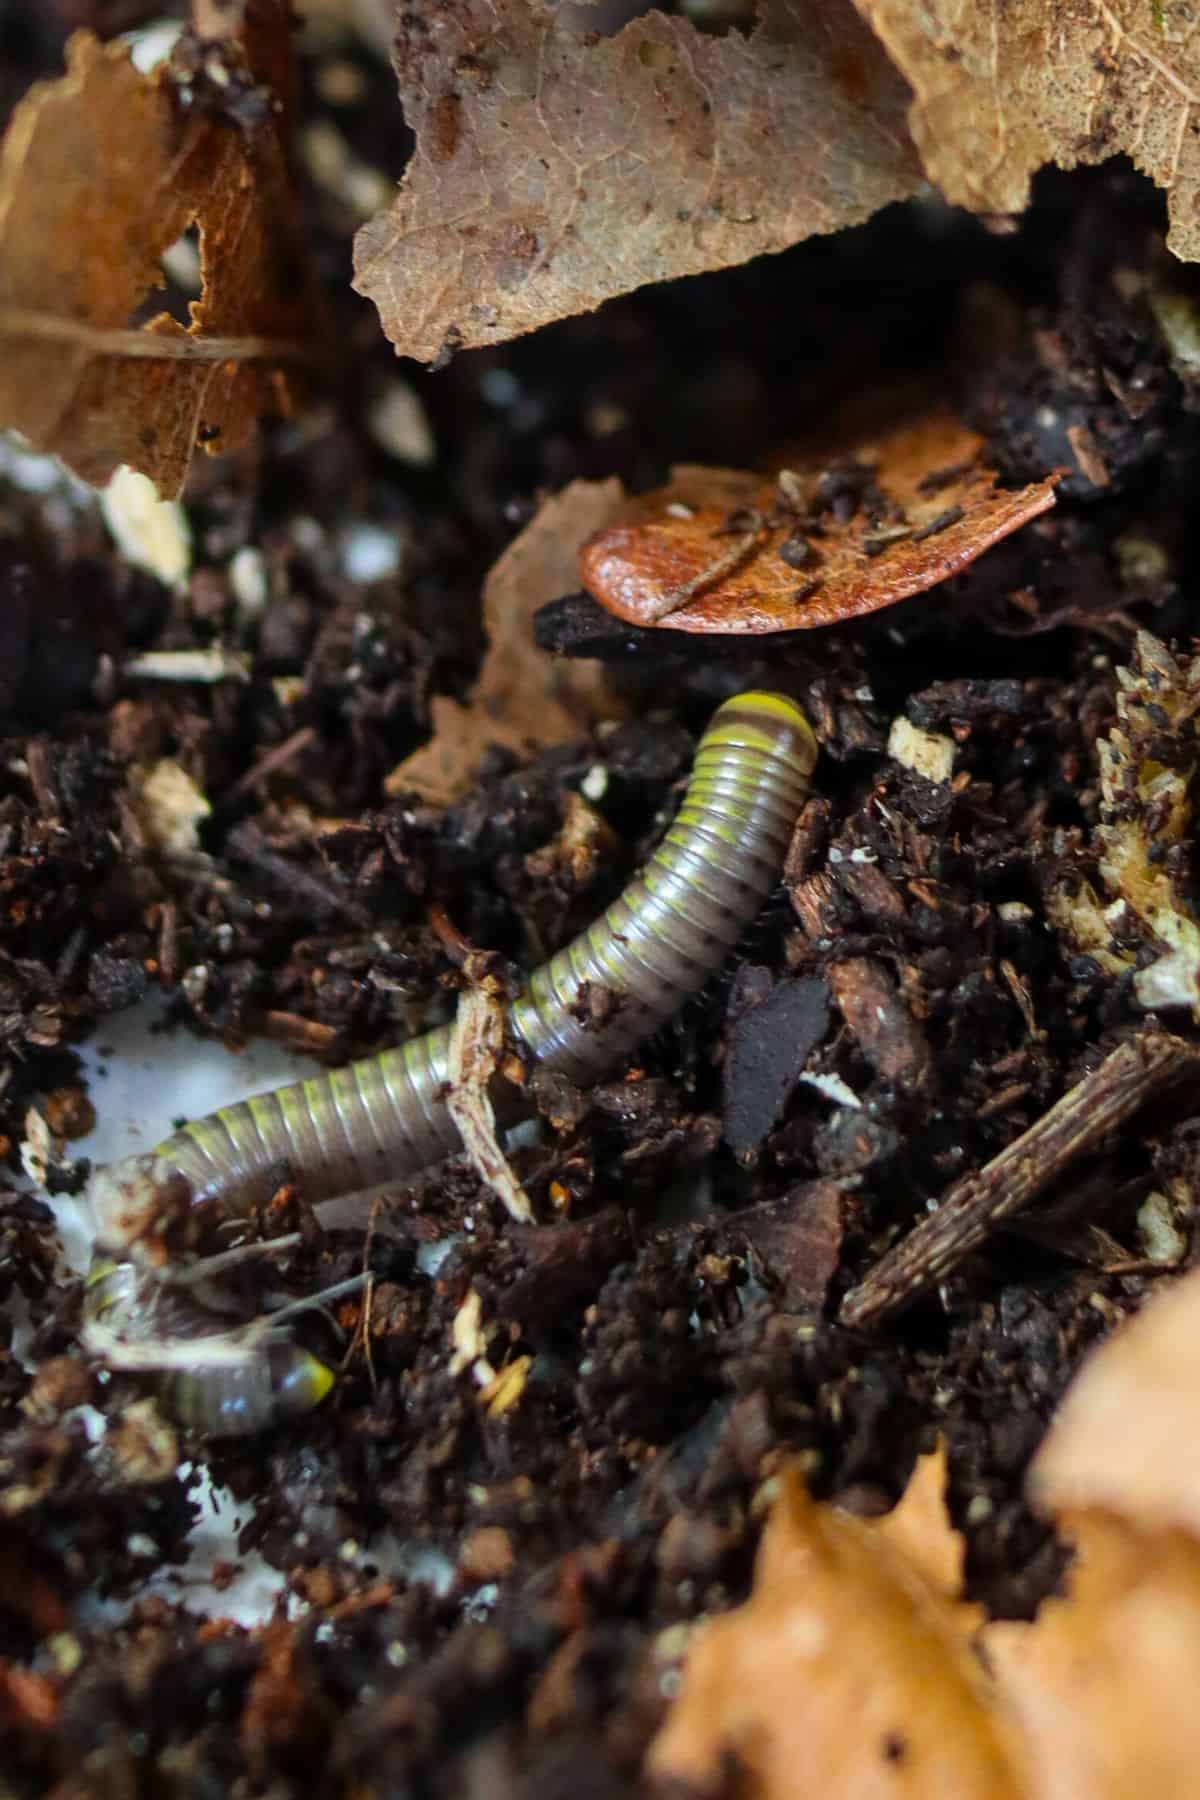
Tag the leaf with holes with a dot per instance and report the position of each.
(100, 173)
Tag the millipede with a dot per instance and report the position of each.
(385, 1118)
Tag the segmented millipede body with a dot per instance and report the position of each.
(217, 1380)
(386, 1117)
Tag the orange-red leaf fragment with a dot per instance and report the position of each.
(704, 553)
(555, 168)
(100, 173)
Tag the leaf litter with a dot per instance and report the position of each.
(555, 169)
(856, 1666)
(101, 173)
(831, 537)
(1000, 91)
(522, 697)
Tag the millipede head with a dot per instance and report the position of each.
(299, 1380)
(773, 724)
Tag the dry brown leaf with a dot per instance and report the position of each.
(555, 169)
(1104, 1682)
(845, 1674)
(1124, 1440)
(919, 1528)
(999, 90)
(852, 1623)
(704, 553)
(523, 699)
(100, 173)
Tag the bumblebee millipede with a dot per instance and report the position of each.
(385, 1118)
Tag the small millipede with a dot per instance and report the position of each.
(386, 1117)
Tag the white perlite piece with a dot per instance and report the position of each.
(926, 753)
(171, 807)
(400, 425)
(154, 534)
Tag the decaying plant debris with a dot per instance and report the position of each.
(857, 1664)
(554, 170)
(102, 173)
(582, 1424)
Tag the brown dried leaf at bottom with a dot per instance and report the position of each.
(848, 1671)
(1124, 1440)
(100, 173)
(1104, 1680)
(1103, 1683)
(919, 1528)
(555, 168)
(523, 699)
(929, 507)
(1000, 90)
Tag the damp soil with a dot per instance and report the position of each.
(701, 1213)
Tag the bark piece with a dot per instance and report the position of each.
(974, 1206)
(888, 1035)
(769, 1044)
(799, 1238)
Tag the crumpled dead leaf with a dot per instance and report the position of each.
(854, 1668)
(1000, 90)
(848, 1672)
(523, 699)
(1105, 1679)
(100, 173)
(477, 1051)
(1124, 1439)
(555, 169)
(1104, 1684)
(891, 514)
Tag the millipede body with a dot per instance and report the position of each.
(386, 1117)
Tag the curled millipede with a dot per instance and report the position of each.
(386, 1117)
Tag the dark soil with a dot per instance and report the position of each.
(705, 1210)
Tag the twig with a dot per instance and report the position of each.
(17, 322)
(276, 759)
(975, 1205)
(724, 565)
